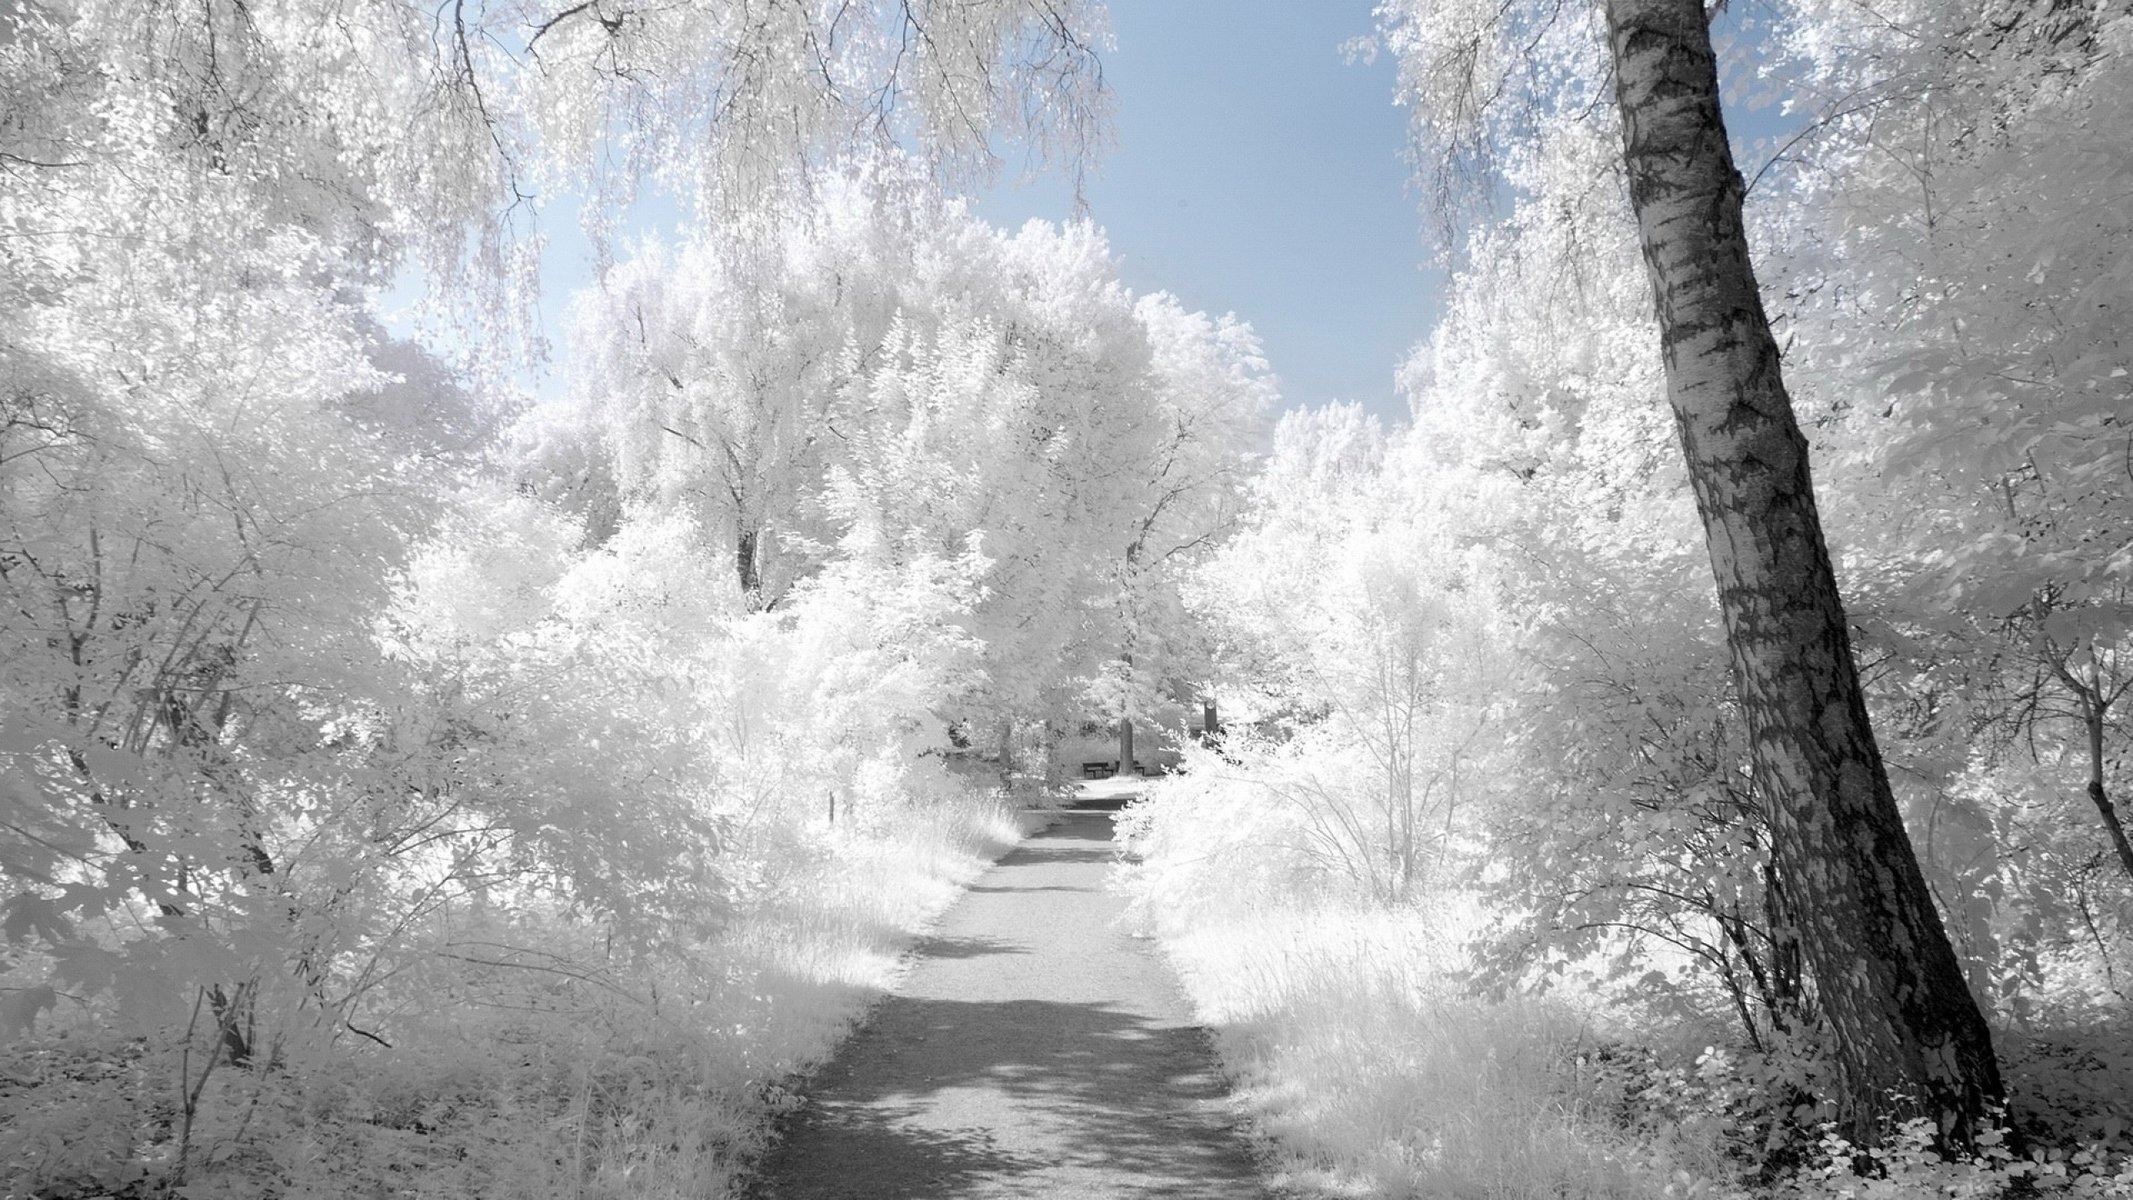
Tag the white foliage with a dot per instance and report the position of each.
(891, 381)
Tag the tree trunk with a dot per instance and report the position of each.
(2093, 717)
(2095, 698)
(1907, 1035)
(745, 566)
(1125, 745)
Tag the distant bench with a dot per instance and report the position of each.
(1096, 770)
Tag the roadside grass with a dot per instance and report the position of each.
(1370, 1066)
(547, 1070)
(1372, 1073)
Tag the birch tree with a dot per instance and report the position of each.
(1904, 1023)
(1901, 1019)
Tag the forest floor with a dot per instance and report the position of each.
(1034, 1049)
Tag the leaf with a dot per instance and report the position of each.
(29, 914)
(19, 1009)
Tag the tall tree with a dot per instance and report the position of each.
(1907, 1033)
(210, 484)
(880, 376)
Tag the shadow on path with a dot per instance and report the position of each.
(1034, 1051)
(966, 947)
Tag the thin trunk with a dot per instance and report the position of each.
(2095, 710)
(1907, 1034)
(2098, 796)
(745, 565)
(1125, 745)
(1007, 755)
(233, 1019)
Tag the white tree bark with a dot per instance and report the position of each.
(1909, 1037)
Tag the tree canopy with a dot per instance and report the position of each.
(388, 761)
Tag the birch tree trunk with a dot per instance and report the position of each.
(1908, 1036)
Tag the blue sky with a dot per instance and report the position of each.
(1255, 171)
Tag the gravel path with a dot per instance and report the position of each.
(1033, 1052)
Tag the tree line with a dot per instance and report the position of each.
(313, 639)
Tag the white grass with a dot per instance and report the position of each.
(1371, 1073)
(577, 1078)
(1354, 1047)
(800, 969)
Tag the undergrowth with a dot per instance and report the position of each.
(524, 1062)
(1372, 1073)
(1372, 1067)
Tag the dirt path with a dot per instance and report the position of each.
(1034, 1051)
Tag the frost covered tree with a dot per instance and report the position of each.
(190, 189)
(250, 743)
(1611, 791)
(1979, 296)
(879, 376)
(1888, 980)
(1355, 623)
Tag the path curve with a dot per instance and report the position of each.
(1034, 1050)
